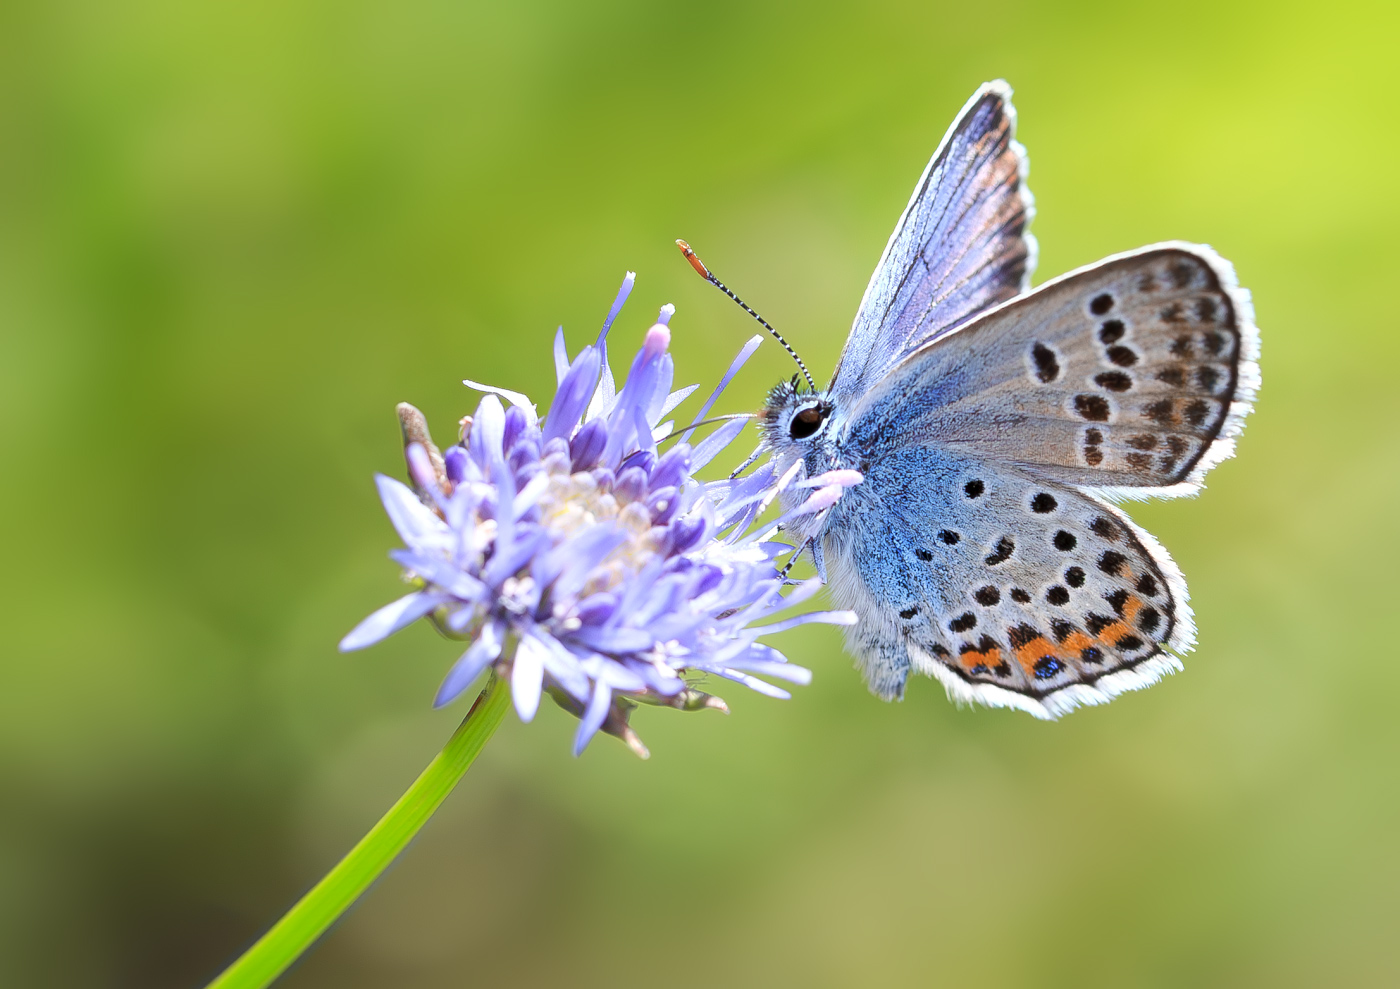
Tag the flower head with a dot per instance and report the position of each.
(581, 559)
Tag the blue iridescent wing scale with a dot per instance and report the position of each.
(960, 247)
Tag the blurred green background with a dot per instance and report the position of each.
(232, 236)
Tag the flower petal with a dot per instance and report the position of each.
(571, 399)
(515, 398)
(561, 357)
(676, 398)
(617, 641)
(483, 653)
(488, 435)
(755, 684)
(593, 716)
(628, 280)
(436, 570)
(738, 362)
(821, 617)
(414, 521)
(711, 446)
(390, 618)
(527, 676)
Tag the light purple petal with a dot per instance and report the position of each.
(488, 434)
(774, 668)
(565, 668)
(420, 468)
(671, 468)
(529, 496)
(628, 281)
(755, 684)
(572, 398)
(676, 398)
(734, 367)
(527, 676)
(744, 488)
(508, 562)
(614, 640)
(561, 357)
(603, 398)
(820, 617)
(436, 570)
(711, 446)
(414, 521)
(390, 618)
(597, 608)
(515, 398)
(661, 389)
(615, 674)
(587, 445)
(584, 552)
(455, 459)
(593, 717)
(481, 654)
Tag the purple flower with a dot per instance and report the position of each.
(579, 558)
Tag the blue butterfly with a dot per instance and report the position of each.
(995, 426)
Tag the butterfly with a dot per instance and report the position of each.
(996, 425)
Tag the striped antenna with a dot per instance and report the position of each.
(706, 274)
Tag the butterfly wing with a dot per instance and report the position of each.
(1011, 591)
(960, 246)
(980, 548)
(1131, 377)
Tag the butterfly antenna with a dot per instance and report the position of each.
(706, 274)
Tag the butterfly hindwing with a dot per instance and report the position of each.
(1010, 590)
(1131, 376)
(960, 247)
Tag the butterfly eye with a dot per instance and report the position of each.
(806, 422)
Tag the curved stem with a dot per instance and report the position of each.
(333, 895)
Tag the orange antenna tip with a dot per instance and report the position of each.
(695, 262)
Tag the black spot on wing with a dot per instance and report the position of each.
(1092, 407)
(1047, 366)
(1114, 380)
(1004, 548)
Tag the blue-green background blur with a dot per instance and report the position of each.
(234, 235)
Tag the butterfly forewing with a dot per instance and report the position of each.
(1132, 374)
(960, 247)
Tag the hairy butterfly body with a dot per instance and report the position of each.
(994, 424)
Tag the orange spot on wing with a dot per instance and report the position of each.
(1111, 633)
(1075, 643)
(1033, 652)
(970, 659)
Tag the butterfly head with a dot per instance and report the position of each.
(794, 416)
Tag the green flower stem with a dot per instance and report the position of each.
(333, 895)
